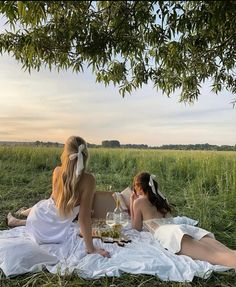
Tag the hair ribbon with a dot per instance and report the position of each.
(80, 160)
(156, 192)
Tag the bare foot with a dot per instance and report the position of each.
(11, 220)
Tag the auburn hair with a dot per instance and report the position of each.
(142, 180)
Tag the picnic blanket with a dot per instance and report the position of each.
(144, 255)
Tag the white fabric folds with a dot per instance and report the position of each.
(143, 255)
(45, 225)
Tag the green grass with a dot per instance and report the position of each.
(202, 184)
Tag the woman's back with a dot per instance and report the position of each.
(85, 181)
(44, 223)
(148, 210)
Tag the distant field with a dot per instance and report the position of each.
(202, 184)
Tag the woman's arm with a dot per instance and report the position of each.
(85, 215)
(133, 197)
(135, 212)
(85, 212)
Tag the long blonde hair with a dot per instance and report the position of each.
(68, 182)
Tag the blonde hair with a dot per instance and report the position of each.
(68, 182)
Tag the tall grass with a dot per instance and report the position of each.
(202, 185)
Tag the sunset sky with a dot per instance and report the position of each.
(51, 106)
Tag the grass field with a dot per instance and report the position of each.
(201, 184)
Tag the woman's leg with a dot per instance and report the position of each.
(207, 250)
(217, 244)
(14, 222)
(23, 211)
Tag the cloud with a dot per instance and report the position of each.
(51, 106)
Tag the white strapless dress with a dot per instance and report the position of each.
(44, 225)
(170, 231)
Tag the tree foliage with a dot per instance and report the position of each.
(176, 45)
(110, 143)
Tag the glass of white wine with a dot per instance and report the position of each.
(124, 219)
(110, 219)
(113, 220)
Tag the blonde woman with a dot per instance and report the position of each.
(48, 221)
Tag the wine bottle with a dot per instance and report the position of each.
(117, 212)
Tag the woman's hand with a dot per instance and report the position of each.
(101, 251)
(133, 196)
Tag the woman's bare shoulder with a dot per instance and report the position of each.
(57, 169)
(140, 201)
(89, 176)
(88, 179)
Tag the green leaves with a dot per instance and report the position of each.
(176, 45)
(21, 8)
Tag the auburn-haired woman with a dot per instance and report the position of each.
(150, 208)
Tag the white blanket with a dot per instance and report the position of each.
(143, 255)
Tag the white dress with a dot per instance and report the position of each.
(170, 231)
(44, 225)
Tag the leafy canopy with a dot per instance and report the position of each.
(176, 45)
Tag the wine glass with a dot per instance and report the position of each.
(110, 218)
(124, 219)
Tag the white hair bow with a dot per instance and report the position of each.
(80, 160)
(151, 183)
